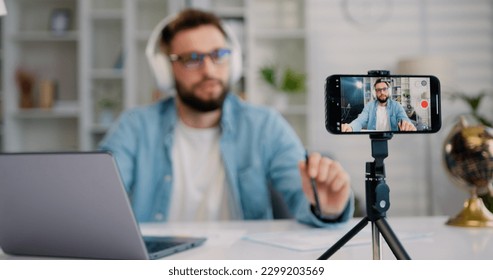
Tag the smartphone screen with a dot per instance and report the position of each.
(364, 104)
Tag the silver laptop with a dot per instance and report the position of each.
(72, 205)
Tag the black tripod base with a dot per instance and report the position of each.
(384, 228)
(377, 203)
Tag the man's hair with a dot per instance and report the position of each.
(386, 81)
(188, 19)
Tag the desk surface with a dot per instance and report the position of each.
(422, 237)
(425, 238)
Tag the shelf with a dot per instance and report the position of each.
(107, 15)
(107, 74)
(54, 113)
(45, 36)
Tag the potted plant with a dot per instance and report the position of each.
(474, 103)
(285, 82)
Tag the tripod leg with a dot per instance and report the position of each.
(375, 234)
(392, 240)
(357, 228)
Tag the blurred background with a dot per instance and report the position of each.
(69, 67)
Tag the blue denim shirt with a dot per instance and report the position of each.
(257, 145)
(368, 117)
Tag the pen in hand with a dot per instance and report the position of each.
(318, 211)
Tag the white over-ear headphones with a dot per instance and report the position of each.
(161, 66)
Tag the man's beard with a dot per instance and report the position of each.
(384, 100)
(192, 101)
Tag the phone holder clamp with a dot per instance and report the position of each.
(378, 73)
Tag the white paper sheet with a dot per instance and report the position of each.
(317, 239)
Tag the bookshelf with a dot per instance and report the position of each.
(98, 68)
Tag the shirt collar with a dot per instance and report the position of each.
(228, 116)
(169, 119)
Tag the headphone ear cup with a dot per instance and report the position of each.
(236, 63)
(163, 74)
(158, 62)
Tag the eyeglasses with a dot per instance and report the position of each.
(381, 89)
(194, 60)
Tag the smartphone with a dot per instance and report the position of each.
(366, 104)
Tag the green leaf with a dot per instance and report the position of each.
(291, 80)
(269, 75)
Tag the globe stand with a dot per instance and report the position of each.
(474, 214)
(377, 203)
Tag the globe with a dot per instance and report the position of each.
(468, 159)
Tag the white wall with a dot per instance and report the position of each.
(383, 33)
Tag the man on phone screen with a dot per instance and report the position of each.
(382, 114)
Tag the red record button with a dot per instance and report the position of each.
(425, 104)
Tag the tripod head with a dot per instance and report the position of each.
(379, 151)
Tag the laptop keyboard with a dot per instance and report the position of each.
(155, 246)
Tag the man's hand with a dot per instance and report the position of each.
(406, 126)
(346, 127)
(333, 183)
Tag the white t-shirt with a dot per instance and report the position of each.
(382, 119)
(200, 189)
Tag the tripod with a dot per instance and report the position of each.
(377, 203)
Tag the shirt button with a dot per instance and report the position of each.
(167, 178)
(159, 217)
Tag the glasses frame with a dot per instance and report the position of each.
(194, 60)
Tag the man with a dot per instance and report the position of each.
(206, 155)
(383, 114)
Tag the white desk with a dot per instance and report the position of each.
(433, 240)
(226, 240)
